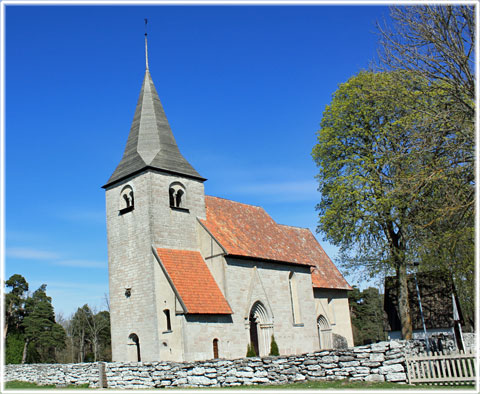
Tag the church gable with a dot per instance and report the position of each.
(256, 293)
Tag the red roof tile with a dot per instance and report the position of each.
(248, 231)
(194, 282)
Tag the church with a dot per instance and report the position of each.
(197, 277)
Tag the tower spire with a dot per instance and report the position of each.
(151, 144)
(146, 47)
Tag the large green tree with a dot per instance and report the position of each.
(380, 176)
(437, 42)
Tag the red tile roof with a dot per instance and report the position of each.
(193, 281)
(248, 231)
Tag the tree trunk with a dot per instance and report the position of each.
(397, 250)
(25, 347)
(403, 305)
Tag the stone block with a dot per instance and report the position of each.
(244, 374)
(299, 377)
(396, 345)
(362, 349)
(377, 357)
(375, 378)
(371, 364)
(349, 364)
(180, 382)
(200, 381)
(330, 359)
(396, 377)
(330, 365)
(260, 374)
(380, 347)
(362, 355)
(388, 369)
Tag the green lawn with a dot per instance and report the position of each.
(321, 385)
(345, 384)
(15, 385)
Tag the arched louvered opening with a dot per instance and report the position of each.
(177, 195)
(127, 202)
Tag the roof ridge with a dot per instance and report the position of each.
(288, 225)
(237, 202)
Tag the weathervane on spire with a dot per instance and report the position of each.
(146, 48)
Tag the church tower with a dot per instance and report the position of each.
(153, 200)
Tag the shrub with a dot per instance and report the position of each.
(251, 351)
(274, 347)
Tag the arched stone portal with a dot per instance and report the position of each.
(261, 329)
(133, 348)
(324, 333)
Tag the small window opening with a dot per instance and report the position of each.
(177, 196)
(172, 197)
(167, 316)
(215, 348)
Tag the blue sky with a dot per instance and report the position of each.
(244, 89)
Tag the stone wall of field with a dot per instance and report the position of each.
(384, 361)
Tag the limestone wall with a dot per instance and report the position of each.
(384, 361)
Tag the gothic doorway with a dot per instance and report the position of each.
(324, 333)
(261, 329)
(254, 333)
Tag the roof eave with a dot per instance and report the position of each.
(245, 257)
(150, 168)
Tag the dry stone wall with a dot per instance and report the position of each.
(383, 361)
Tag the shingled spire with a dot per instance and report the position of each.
(151, 143)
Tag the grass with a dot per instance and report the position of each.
(17, 385)
(310, 385)
(345, 384)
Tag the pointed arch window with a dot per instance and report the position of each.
(292, 282)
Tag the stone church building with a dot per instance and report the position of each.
(196, 277)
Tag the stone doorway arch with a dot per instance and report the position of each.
(324, 333)
(133, 348)
(261, 329)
